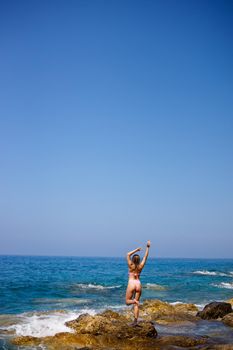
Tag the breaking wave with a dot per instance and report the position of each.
(43, 324)
(61, 301)
(226, 285)
(212, 273)
(94, 286)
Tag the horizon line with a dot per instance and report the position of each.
(114, 256)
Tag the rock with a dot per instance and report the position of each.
(26, 340)
(190, 308)
(115, 315)
(163, 308)
(176, 319)
(228, 319)
(218, 347)
(165, 313)
(114, 326)
(60, 341)
(156, 307)
(181, 341)
(215, 310)
(230, 301)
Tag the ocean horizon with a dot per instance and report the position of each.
(117, 256)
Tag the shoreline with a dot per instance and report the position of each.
(174, 323)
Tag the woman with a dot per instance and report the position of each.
(134, 288)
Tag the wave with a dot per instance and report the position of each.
(42, 324)
(212, 273)
(154, 286)
(94, 286)
(226, 285)
(62, 301)
(177, 303)
(199, 306)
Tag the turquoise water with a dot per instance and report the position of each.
(29, 283)
(33, 285)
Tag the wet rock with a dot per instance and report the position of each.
(218, 347)
(182, 320)
(181, 341)
(26, 340)
(215, 310)
(228, 319)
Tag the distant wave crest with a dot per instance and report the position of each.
(212, 273)
(226, 285)
(94, 286)
(60, 301)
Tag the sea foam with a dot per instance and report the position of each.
(45, 324)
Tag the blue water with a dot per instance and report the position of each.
(32, 283)
(39, 294)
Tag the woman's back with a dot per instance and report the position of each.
(134, 271)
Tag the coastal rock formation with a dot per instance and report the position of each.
(113, 330)
(215, 310)
(228, 319)
(163, 308)
(68, 341)
(107, 330)
(60, 341)
(165, 313)
(111, 324)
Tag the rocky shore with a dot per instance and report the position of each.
(112, 330)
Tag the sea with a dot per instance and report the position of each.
(38, 294)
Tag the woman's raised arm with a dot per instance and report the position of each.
(134, 251)
(131, 253)
(145, 256)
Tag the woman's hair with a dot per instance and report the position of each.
(136, 259)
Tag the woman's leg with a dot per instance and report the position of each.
(136, 305)
(129, 295)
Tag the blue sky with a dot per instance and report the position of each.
(116, 127)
